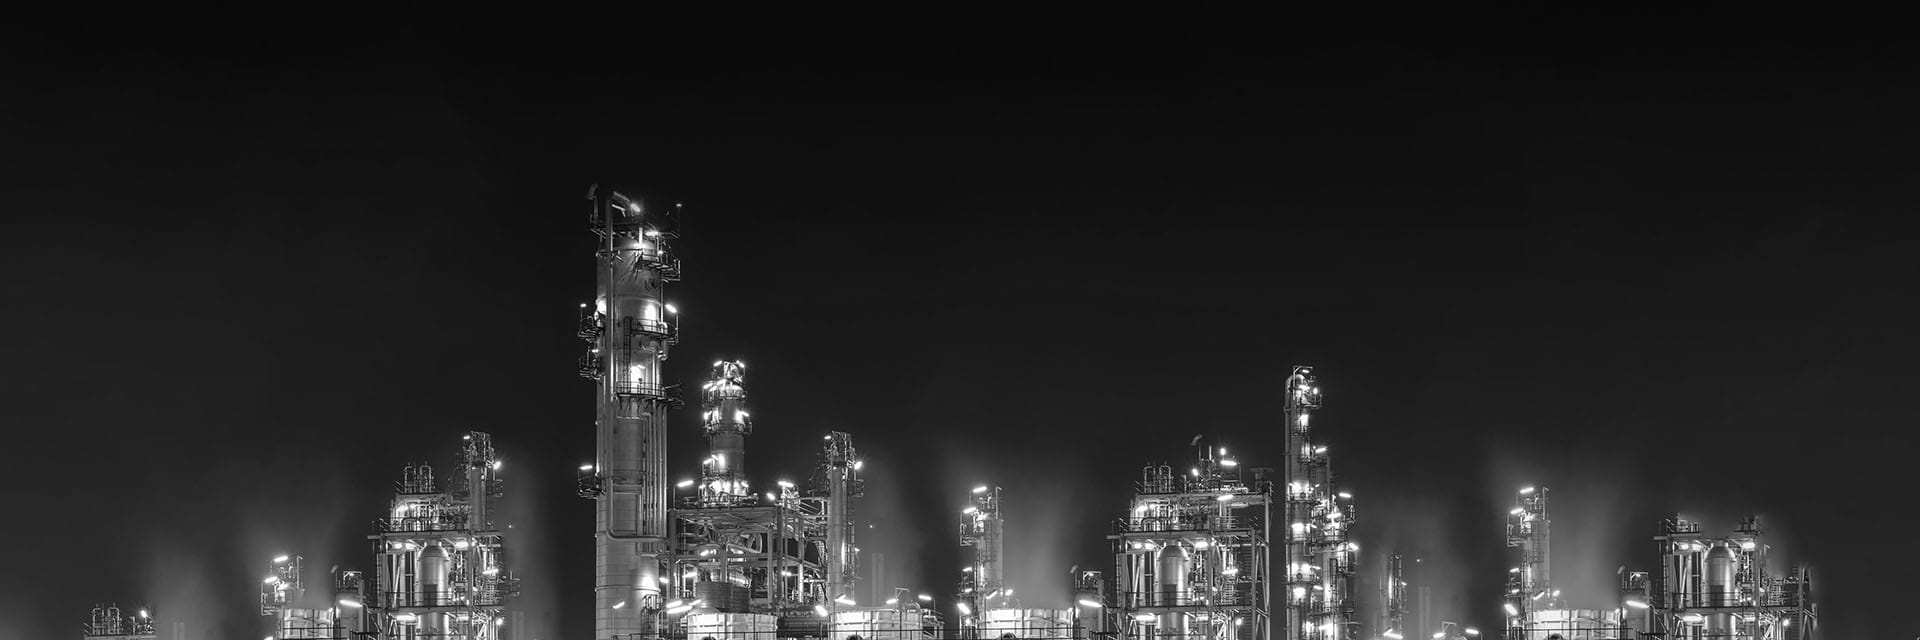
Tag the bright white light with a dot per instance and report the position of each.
(1537, 595)
(1526, 491)
(619, 604)
(496, 465)
(1636, 604)
(1392, 635)
(924, 597)
(1229, 463)
(499, 622)
(964, 609)
(1472, 631)
(1693, 617)
(1143, 617)
(491, 571)
(271, 579)
(1556, 593)
(969, 510)
(1196, 472)
(674, 611)
(1089, 603)
(672, 309)
(461, 544)
(859, 463)
(586, 467)
(1345, 496)
(820, 610)
(684, 484)
(343, 602)
(980, 489)
(1437, 635)
(1786, 623)
(408, 617)
(1511, 610)
(279, 559)
(1517, 511)
(893, 601)
(1748, 545)
(143, 612)
(770, 496)
(1224, 497)
(785, 484)
(844, 600)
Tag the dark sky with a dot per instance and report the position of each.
(250, 272)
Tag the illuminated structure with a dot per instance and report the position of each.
(986, 602)
(1320, 560)
(283, 600)
(1393, 600)
(983, 583)
(1720, 587)
(1533, 606)
(438, 571)
(438, 565)
(747, 567)
(1707, 588)
(630, 326)
(108, 623)
(1190, 556)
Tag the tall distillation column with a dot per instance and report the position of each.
(1393, 595)
(631, 326)
(1530, 580)
(724, 409)
(1320, 559)
(984, 585)
(838, 478)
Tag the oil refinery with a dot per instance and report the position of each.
(1216, 541)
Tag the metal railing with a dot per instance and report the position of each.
(1192, 522)
(435, 522)
(656, 391)
(1186, 598)
(652, 327)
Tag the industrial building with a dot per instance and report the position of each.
(1211, 547)
(110, 623)
(1706, 588)
(438, 565)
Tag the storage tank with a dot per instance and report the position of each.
(730, 626)
(1719, 579)
(873, 624)
(1025, 624)
(1171, 574)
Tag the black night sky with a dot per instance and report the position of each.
(250, 273)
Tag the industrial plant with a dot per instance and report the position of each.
(1216, 542)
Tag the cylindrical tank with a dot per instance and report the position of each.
(1171, 574)
(433, 574)
(730, 626)
(873, 624)
(1719, 579)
